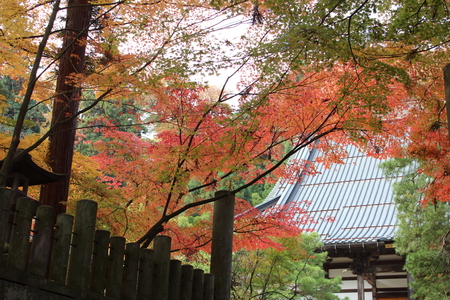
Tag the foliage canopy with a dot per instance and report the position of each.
(349, 72)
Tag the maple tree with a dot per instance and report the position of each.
(334, 71)
(423, 128)
(210, 152)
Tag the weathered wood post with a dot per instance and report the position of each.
(187, 273)
(161, 248)
(130, 272)
(41, 244)
(99, 262)
(144, 289)
(115, 267)
(5, 205)
(20, 236)
(82, 245)
(61, 248)
(208, 289)
(222, 244)
(174, 279)
(197, 284)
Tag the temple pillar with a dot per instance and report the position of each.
(360, 285)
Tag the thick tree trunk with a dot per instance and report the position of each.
(66, 103)
(447, 93)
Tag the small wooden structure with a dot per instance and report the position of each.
(353, 207)
(26, 173)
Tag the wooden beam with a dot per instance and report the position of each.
(383, 291)
(382, 269)
(348, 250)
(346, 265)
(352, 290)
(395, 295)
(371, 278)
(393, 276)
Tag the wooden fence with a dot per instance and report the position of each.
(72, 260)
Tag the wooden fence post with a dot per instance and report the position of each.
(115, 267)
(174, 279)
(99, 262)
(197, 284)
(144, 290)
(208, 289)
(161, 247)
(61, 248)
(41, 244)
(187, 274)
(130, 272)
(14, 196)
(5, 206)
(20, 236)
(222, 244)
(82, 244)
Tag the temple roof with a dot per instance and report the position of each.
(350, 203)
(36, 175)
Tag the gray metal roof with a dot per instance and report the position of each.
(350, 202)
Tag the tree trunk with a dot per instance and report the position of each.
(447, 93)
(66, 103)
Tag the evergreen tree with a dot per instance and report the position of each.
(423, 234)
(117, 114)
(9, 94)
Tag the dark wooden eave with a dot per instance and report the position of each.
(351, 249)
(36, 175)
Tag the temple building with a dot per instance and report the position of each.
(352, 205)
